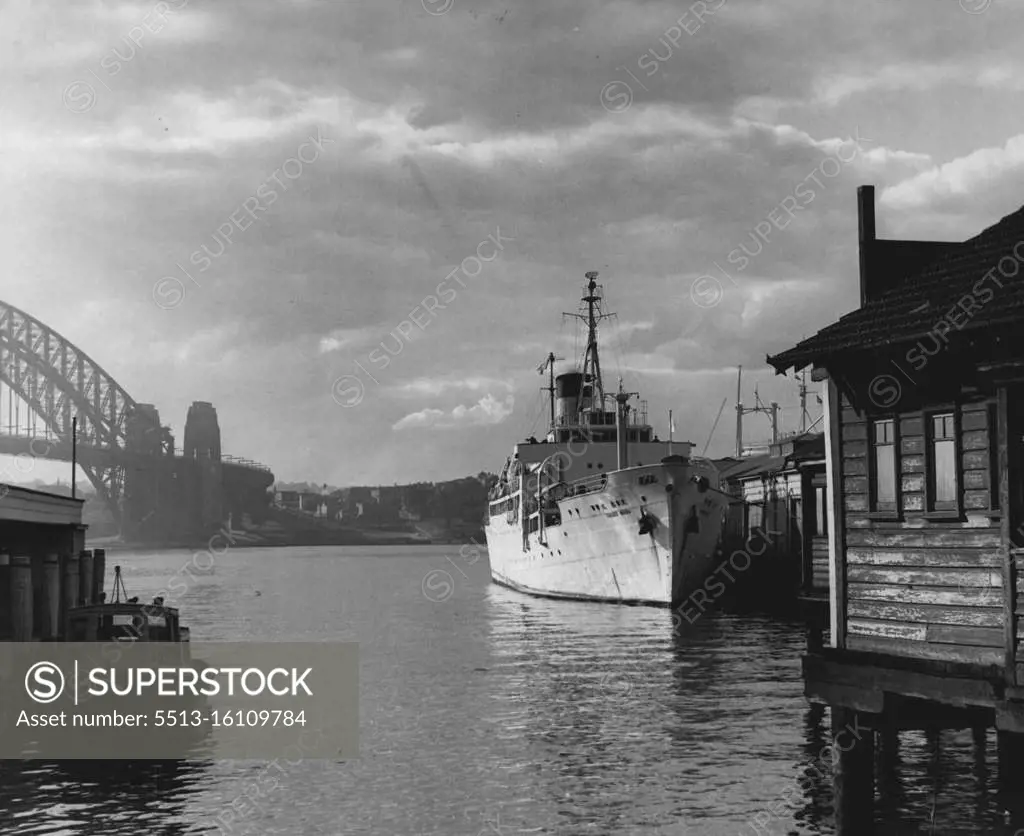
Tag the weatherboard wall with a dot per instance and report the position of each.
(922, 583)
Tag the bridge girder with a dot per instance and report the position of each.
(58, 380)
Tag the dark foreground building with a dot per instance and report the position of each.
(925, 467)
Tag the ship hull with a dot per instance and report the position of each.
(600, 549)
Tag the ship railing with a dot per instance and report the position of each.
(588, 484)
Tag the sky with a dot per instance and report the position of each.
(354, 226)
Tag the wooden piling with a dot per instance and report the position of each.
(888, 757)
(21, 598)
(5, 596)
(1011, 767)
(853, 776)
(99, 568)
(70, 587)
(85, 577)
(51, 596)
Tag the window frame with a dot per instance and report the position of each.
(874, 511)
(820, 492)
(992, 432)
(956, 511)
(760, 506)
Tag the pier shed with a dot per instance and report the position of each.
(44, 568)
(776, 501)
(924, 396)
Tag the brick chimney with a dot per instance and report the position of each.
(866, 238)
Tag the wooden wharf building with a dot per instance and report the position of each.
(45, 571)
(778, 514)
(924, 448)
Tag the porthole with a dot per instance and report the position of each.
(600, 465)
(643, 498)
(590, 464)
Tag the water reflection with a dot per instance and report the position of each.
(96, 798)
(494, 713)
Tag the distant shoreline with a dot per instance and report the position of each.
(115, 546)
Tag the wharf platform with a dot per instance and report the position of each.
(45, 569)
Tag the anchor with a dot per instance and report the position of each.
(647, 523)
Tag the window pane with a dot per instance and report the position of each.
(942, 426)
(945, 473)
(884, 432)
(821, 513)
(885, 476)
(755, 517)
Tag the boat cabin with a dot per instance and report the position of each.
(127, 622)
(579, 417)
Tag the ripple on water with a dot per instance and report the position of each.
(495, 713)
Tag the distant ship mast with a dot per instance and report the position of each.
(591, 362)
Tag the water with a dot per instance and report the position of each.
(487, 712)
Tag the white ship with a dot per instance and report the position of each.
(601, 510)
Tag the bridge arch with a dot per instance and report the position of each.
(59, 381)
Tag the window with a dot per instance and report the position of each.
(820, 513)
(755, 517)
(884, 465)
(944, 485)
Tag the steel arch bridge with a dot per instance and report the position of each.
(59, 381)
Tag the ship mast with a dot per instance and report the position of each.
(591, 361)
(549, 364)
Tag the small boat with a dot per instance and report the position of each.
(126, 620)
(601, 510)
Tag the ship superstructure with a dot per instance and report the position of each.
(602, 509)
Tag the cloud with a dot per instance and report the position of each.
(346, 338)
(445, 128)
(975, 172)
(485, 412)
(437, 385)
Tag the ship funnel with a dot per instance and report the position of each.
(567, 392)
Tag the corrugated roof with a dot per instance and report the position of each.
(981, 272)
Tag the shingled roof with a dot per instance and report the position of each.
(990, 261)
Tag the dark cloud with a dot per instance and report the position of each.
(446, 129)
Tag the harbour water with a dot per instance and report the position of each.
(484, 711)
